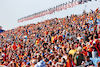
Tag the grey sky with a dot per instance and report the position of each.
(12, 10)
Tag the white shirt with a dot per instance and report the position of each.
(40, 64)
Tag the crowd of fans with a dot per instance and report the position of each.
(58, 42)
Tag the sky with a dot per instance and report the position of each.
(12, 10)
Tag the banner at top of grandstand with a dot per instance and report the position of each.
(58, 8)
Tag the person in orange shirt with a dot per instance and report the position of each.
(70, 62)
(64, 20)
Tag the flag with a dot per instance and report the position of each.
(58, 8)
(97, 10)
(34, 16)
(40, 14)
(69, 5)
(79, 1)
(63, 6)
(20, 20)
(76, 3)
(46, 12)
(54, 10)
(25, 19)
(72, 1)
(29, 18)
(84, 1)
(73, 4)
(66, 6)
(50, 11)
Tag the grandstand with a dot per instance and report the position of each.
(73, 41)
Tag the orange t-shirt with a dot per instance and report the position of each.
(64, 20)
(91, 18)
(83, 16)
(68, 63)
(21, 57)
(74, 18)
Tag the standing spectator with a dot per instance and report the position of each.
(94, 52)
(70, 62)
(73, 50)
(79, 57)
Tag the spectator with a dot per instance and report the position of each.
(70, 62)
(57, 41)
(98, 64)
(94, 52)
(40, 63)
(88, 62)
(79, 57)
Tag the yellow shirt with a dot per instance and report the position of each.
(52, 39)
(37, 42)
(72, 51)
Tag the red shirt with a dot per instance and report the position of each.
(14, 46)
(84, 53)
(60, 37)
